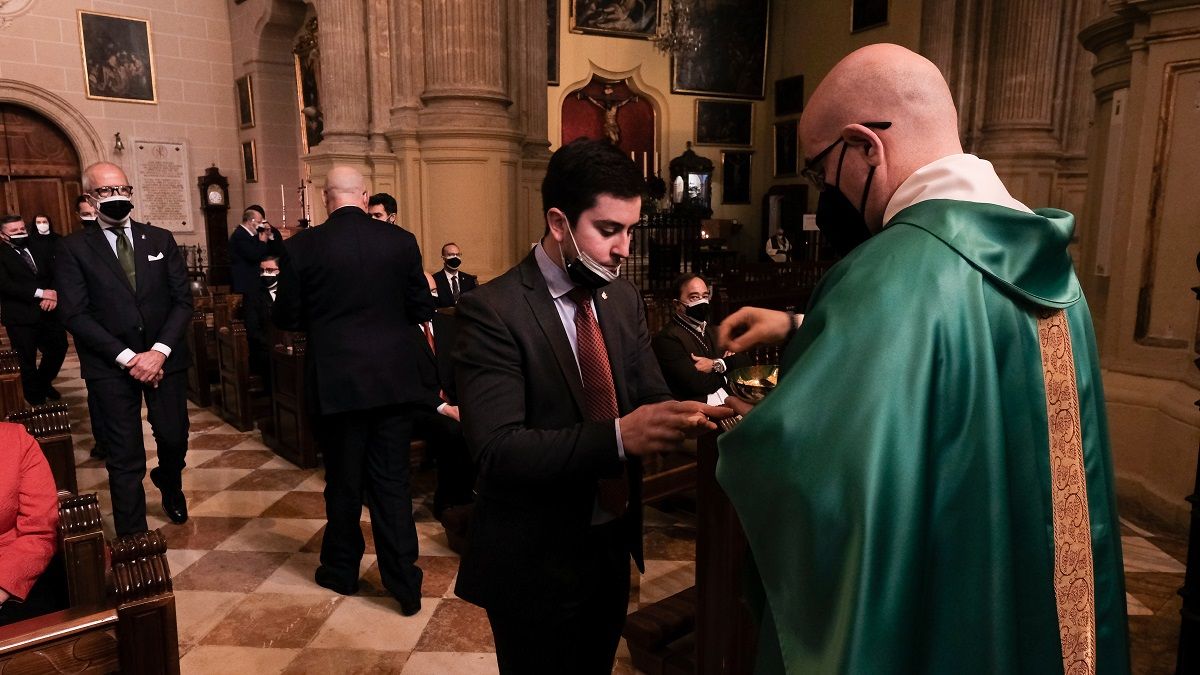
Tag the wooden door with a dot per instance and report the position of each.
(39, 169)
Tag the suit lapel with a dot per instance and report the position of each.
(99, 243)
(541, 304)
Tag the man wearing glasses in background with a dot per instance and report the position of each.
(123, 295)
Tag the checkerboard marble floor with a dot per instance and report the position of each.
(243, 565)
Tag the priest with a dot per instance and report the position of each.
(929, 488)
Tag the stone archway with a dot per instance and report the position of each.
(73, 123)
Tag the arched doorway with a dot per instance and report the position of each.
(39, 168)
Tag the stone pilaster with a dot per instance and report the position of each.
(465, 78)
(344, 99)
(379, 61)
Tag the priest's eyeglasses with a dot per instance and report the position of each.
(106, 191)
(813, 170)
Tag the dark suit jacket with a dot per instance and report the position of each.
(106, 315)
(521, 398)
(245, 252)
(256, 311)
(437, 370)
(18, 283)
(356, 286)
(445, 297)
(674, 346)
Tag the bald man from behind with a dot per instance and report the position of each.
(356, 287)
(935, 497)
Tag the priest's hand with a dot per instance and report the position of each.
(750, 327)
(662, 427)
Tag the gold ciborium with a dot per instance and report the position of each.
(753, 383)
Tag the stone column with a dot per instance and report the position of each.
(344, 94)
(465, 83)
(379, 58)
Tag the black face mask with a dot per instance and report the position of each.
(454, 262)
(19, 240)
(698, 311)
(116, 210)
(269, 280)
(88, 222)
(843, 225)
(585, 271)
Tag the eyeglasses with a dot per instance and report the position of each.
(107, 191)
(814, 173)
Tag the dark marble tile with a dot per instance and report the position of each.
(297, 505)
(1154, 642)
(438, 574)
(273, 620)
(457, 626)
(202, 532)
(1173, 546)
(229, 571)
(215, 441)
(314, 542)
(315, 661)
(200, 426)
(234, 459)
(272, 480)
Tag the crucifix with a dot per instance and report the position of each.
(610, 105)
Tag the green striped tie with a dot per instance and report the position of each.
(125, 255)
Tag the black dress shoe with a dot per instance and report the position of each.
(410, 607)
(173, 501)
(325, 579)
(52, 394)
(98, 452)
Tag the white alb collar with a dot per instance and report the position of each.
(961, 177)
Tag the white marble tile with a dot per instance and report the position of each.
(272, 534)
(276, 462)
(665, 578)
(441, 663)
(237, 503)
(1135, 607)
(212, 659)
(180, 559)
(198, 612)
(431, 540)
(1142, 556)
(314, 483)
(1137, 530)
(88, 478)
(374, 623)
(212, 479)
(295, 576)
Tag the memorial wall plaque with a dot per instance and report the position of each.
(162, 192)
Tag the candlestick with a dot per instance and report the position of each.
(645, 165)
(657, 168)
(307, 205)
(282, 207)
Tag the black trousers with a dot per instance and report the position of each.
(117, 402)
(455, 470)
(49, 338)
(578, 635)
(366, 459)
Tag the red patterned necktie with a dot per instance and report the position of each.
(599, 393)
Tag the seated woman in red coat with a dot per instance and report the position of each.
(28, 525)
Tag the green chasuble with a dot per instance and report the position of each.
(895, 488)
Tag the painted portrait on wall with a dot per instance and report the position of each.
(731, 59)
(724, 122)
(118, 58)
(620, 18)
(735, 176)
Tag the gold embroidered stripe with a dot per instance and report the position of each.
(1074, 583)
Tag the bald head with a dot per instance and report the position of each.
(880, 83)
(101, 174)
(345, 186)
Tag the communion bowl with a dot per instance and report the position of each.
(753, 383)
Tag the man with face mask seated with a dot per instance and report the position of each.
(28, 301)
(686, 347)
(256, 307)
(451, 281)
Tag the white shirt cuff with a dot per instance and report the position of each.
(162, 349)
(620, 445)
(125, 357)
(442, 407)
(37, 293)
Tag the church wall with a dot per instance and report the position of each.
(192, 71)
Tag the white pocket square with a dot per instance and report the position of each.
(152, 258)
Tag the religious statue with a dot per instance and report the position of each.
(610, 105)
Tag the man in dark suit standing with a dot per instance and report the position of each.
(451, 281)
(124, 295)
(686, 347)
(355, 285)
(256, 307)
(87, 219)
(560, 395)
(251, 241)
(27, 308)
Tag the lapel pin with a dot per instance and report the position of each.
(603, 295)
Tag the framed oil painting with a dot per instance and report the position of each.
(732, 57)
(245, 101)
(118, 58)
(618, 18)
(787, 147)
(552, 42)
(724, 122)
(249, 162)
(866, 14)
(789, 96)
(735, 176)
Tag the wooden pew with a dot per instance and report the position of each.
(121, 615)
(50, 425)
(291, 433)
(243, 397)
(12, 396)
(211, 312)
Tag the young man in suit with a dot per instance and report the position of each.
(382, 206)
(687, 347)
(251, 241)
(560, 396)
(27, 304)
(256, 306)
(124, 295)
(356, 286)
(451, 281)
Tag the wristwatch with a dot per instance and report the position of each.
(718, 366)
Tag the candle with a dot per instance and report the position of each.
(632, 156)
(282, 206)
(657, 168)
(645, 165)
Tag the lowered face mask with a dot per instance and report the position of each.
(698, 310)
(269, 280)
(115, 209)
(87, 220)
(584, 270)
(843, 225)
(19, 240)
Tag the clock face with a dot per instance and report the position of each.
(215, 195)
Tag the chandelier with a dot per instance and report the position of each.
(677, 33)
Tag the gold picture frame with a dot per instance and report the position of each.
(245, 101)
(643, 26)
(249, 161)
(118, 57)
